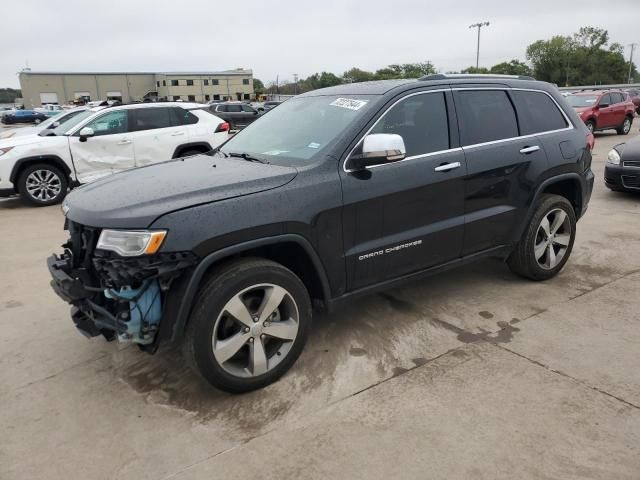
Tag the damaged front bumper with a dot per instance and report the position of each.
(113, 296)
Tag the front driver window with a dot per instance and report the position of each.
(110, 123)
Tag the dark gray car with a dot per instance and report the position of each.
(237, 114)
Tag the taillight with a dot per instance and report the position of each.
(223, 127)
(591, 141)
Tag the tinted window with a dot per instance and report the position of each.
(605, 100)
(150, 118)
(537, 112)
(421, 121)
(110, 123)
(247, 108)
(616, 98)
(221, 108)
(485, 116)
(234, 108)
(180, 116)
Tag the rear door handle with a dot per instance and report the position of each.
(526, 150)
(447, 166)
(177, 134)
(124, 142)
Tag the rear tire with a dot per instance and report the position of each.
(264, 336)
(42, 185)
(547, 241)
(625, 128)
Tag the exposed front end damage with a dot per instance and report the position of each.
(114, 296)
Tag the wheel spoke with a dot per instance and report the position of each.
(539, 250)
(227, 348)
(238, 310)
(551, 256)
(272, 299)
(558, 221)
(286, 329)
(545, 225)
(258, 357)
(562, 239)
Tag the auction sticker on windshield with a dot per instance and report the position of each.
(349, 103)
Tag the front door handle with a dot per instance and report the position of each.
(177, 134)
(526, 150)
(447, 166)
(124, 142)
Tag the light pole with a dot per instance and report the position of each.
(633, 46)
(478, 25)
(295, 79)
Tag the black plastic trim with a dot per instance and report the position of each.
(186, 146)
(19, 164)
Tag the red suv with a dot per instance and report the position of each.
(634, 93)
(602, 110)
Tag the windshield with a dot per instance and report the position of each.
(299, 128)
(67, 125)
(578, 101)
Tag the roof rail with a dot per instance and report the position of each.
(444, 76)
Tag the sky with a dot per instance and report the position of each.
(286, 37)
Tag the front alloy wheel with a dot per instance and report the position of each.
(42, 185)
(249, 325)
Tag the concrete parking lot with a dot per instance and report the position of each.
(471, 374)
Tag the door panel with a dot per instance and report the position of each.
(109, 151)
(406, 216)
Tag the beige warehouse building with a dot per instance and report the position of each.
(39, 88)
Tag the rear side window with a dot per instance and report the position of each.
(150, 119)
(180, 116)
(221, 108)
(421, 121)
(537, 112)
(234, 108)
(485, 116)
(247, 108)
(616, 98)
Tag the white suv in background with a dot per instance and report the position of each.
(102, 141)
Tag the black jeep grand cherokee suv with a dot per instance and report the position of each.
(336, 193)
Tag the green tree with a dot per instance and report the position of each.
(356, 75)
(8, 95)
(514, 67)
(480, 70)
(258, 86)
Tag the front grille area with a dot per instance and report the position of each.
(82, 243)
(631, 163)
(631, 181)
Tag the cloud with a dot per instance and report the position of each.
(284, 37)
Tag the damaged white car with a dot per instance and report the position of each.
(103, 141)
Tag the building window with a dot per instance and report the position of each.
(158, 83)
(215, 81)
(247, 96)
(164, 83)
(190, 83)
(191, 98)
(216, 97)
(206, 82)
(207, 97)
(245, 81)
(176, 98)
(174, 83)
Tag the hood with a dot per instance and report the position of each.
(19, 140)
(629, 150)
(19, 132)
(582, 109)
(134, 199)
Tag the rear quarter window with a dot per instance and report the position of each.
(537, 112)
(485, 116)
(180, 116)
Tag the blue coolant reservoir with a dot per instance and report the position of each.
(145, 311)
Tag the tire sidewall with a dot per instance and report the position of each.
(592, 123)
(547, 205)
(34, 201)
(214, 296)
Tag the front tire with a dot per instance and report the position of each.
(547, 242)
(250, 324)
(591, 125)
(42, 185)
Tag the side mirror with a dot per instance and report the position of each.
(55, 125)
(255, 112)
(85, 133)
(379, 149)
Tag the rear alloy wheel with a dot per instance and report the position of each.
(42, 185)
(625, 128)
(249, 325)
(547, 242)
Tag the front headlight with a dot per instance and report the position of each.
(131, 243)
(614, 157)
(5, 150)
(7, 135)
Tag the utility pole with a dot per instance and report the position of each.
(633, 46)
(478, 25)
(295, 79)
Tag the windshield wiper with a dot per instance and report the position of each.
(247, 157)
